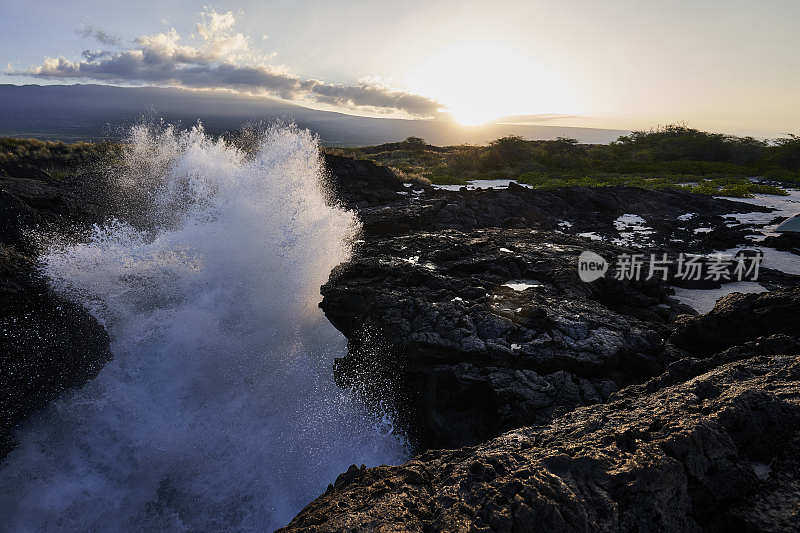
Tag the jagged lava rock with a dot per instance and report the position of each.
(738, 317)
(47, 343)
(492, 329)
(431, 321)
(716, 452)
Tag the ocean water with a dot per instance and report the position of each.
(218, 412)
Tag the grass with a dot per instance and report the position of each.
(430, 166)
(59, 160)
(673, 157)
(734, 187)
(668, 157)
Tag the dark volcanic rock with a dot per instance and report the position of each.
(63, 205)
(586, 209)
(789, 242)
(738, 317)
(47, 343)
(718, 452)
(429, 316)
(467, 307)
(359, 183)
(484, 331)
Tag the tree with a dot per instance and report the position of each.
(417, 141)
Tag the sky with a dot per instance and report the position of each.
(721, 65)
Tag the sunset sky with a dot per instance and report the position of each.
(725, 65)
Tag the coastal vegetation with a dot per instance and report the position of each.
(56, 159)
(673, 156)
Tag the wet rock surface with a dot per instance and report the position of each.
(627, 411)
(576, 210)
(492, 329)
(738, 317)
(467, 304)
(789, 242)
(47, 343)
(359, 184)
(46, 204)
(715, 452)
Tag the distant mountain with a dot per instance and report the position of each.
(92, 112)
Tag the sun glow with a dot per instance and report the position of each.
(478, 82)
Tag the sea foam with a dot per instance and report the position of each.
(219, 411)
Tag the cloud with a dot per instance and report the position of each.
(371, 95)
(221, 58)
(534, 119)
(215, 24)
(99, 35)
(94, 55)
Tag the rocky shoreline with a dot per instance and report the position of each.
(565, 406)
(47, 343)
(530, 397)
(715, 452)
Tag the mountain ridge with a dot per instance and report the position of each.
(93, 112)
